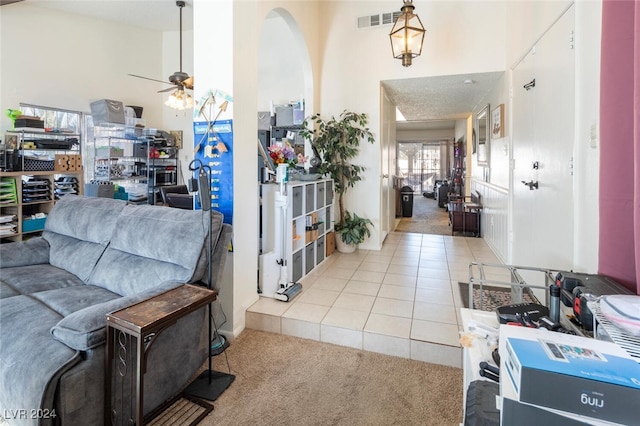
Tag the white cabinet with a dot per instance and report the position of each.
(295, 228)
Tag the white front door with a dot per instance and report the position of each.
(543, 138)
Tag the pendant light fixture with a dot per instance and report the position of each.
(407, 35)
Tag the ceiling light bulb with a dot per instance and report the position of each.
(179, 100)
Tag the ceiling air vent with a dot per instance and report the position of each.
(368, 21)
(390, 18)
(377, 20)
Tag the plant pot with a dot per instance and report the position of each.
(342, 247)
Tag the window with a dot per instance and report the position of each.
(419, 163)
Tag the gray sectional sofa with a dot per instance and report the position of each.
(96, 256)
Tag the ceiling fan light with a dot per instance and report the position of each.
(179, 100)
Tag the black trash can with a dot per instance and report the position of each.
(406, 197)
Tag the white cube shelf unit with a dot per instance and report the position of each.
(294, 228)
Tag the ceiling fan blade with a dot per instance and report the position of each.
(147, 78)
(188, 83)
(167, 90)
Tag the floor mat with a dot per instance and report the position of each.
(492, 297)
(184, 411)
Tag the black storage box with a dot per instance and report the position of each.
(29, 122)
(66, 144)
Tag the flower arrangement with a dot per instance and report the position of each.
(283, 154)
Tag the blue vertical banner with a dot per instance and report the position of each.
(214, 148)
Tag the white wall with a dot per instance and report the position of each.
(434, 135)
(388, 160)
(499, 152)
(280, 71)
(587, 143)
(355, 61)
(67, 61)
(527, 20)
(221, 29)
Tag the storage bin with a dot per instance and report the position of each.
(284, 115)
(107, 111)
(35, 165)
(33, 225)
(109, 152)
(32, 123)
(99, 189)
(121, 194)
(140, 149)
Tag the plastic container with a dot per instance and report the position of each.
(33, 225)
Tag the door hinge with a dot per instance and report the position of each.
(571, 40)
(571, 166)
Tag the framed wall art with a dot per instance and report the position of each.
(497, 122)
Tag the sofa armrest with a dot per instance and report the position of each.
(85, 329)
(219, 255)
(23, 253)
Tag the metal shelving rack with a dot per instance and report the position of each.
(125, 159)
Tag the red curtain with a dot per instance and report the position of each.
(619, 250)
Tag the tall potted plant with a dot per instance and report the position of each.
(337, 141)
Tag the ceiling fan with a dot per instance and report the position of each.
(181, 80)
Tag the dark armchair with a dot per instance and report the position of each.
(177, 196)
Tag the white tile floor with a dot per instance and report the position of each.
(402, 300)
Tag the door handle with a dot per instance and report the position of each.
(532, 185)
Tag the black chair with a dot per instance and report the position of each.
(177, 196)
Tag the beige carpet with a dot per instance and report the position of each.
(427, 218)
(283, 380)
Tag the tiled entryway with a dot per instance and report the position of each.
(402, 300)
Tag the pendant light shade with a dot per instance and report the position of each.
(407, 35)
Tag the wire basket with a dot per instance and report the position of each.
(35, 165)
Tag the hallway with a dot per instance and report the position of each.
(403, 300)
(427, 218)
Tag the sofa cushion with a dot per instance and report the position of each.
(35, 278)
(140, 229)
(66, 301)
(85, 329)
(33, 251)
(31, 361)
(7, 291)
(151, 245)
(78, 230)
